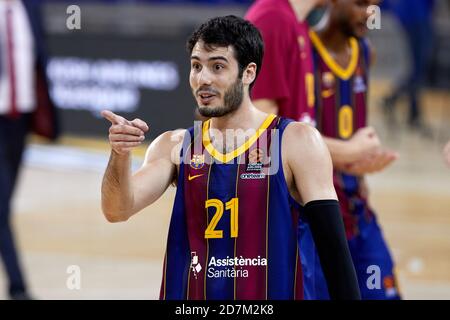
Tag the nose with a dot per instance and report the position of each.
(204, 77)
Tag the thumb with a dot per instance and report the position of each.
(140, 124)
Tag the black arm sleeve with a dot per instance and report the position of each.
(328, 231)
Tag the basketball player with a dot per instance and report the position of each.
(342, 59)
(287, 58)
(233, 232)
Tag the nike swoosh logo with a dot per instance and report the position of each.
(327, 93)
(193, 177)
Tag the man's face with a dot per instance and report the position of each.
(352, 16)
(214, 80)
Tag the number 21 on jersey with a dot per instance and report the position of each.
(232, 206)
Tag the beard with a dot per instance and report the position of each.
(231, 102)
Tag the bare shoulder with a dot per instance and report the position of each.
(307, 163)
(304, 143)
(166, 145)
(301, 135)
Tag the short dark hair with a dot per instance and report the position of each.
(243, 36)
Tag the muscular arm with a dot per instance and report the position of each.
(310, 163)
(117, 196)
(158, 170)
(124, 193)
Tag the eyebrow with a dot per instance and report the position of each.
(211, 58)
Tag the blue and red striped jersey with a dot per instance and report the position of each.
(233, 231)
(341, 109)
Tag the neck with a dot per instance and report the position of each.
(247, 116)
(234, 127)
(334, 38)
(302, 8)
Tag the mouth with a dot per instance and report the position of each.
(206, 97)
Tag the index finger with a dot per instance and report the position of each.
(112, 117)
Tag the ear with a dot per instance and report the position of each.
(249, 74)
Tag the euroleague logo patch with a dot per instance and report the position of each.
(256, 156)
(255, 165)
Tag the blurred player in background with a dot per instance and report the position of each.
(24, 105)
(284, 87)
(232, 200)
(342, 58)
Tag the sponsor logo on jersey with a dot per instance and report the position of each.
(190, 178)
(233, 267)
(247, 176)
(195, 266)
(327, 93)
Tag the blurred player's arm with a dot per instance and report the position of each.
(363, 143)
(124, 193)
(310, 165)
(361, 154)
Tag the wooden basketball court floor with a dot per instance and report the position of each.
(59, 223)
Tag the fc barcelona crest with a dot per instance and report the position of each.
(198, 161)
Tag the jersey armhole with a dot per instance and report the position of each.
(282, 125)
